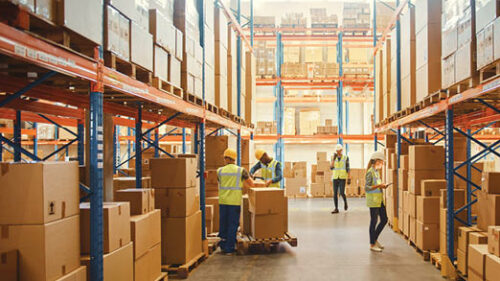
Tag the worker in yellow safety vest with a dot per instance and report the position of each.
(341, 174)
(375, 199)
(271, 169)
(232, 179)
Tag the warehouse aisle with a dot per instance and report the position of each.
(331, 247)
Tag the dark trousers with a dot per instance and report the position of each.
(375, 229)
(229, 220)
(339, 187)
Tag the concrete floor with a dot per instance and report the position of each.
(331, 247)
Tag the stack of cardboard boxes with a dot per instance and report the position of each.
(322, 183)
(483, 259)
(488, 201)
(487, 28)
(357, 186)
(468, 236)
(320, 19)
(40, 232)
(328, 129)
(265, 128)
(458, 202)
(177, 195)
(308, 121)
(408, 54)
(265, 59)
(356, 15)
(294, 20)
(269, 212)
(295, 175)
(428, 202)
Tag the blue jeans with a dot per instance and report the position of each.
(339, 187)
(229, 220)
(375, 230)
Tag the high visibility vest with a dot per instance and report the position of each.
(230, 185)
(269, 172)
(339, 168)
(374, 198)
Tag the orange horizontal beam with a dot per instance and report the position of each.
(7, 113)
(164, 139)
(314, 99)
(29, 132)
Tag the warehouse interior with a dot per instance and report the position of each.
(150, 140)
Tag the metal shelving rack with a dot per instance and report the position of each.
(100, 90)
(466, 114)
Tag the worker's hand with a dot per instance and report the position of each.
(348, 181)
(385, 186)
(268, 183)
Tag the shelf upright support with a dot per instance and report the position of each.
(116, 147)
(35, 139)
(398, 96)
(375, 71)
(96, 172)
(469, 176)
(279, 104)
(129, 144)
(450, 175)
(346, 104)
(81, 145)
(183, 140)
(201, 10)
(17, 137)
(251, 23)
(1, 147)
(157, 143)
(138, 147)
(340, 88)
(238, 82)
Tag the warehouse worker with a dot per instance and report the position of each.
(341, 174)
(231, 180)
(271, 169)
(374, 199)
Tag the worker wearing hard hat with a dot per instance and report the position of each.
(232, 179)
(341, 175)
(375, 199)
(271, 169)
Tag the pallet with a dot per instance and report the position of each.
(434, 98)
(193, 99)
(297, 196)
(224, 113)
(267, 76)
(130, 69)
(212, 108)
(462, 86)
(213, 243)
(436, 260)
(168, 87)
(163, 277)
(246, 244)
(426, 255)
(183, 271)
(489, 72)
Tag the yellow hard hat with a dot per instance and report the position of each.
(259, 153)
(230, 153)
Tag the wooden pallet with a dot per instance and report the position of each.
(462, 86)
(183, 271)
(297, 196)
(213, 243)
(163, 277)
(267, 76)
(489, 72)
(246, 244)
(224, 113)
(193, 99)
(436, 260)
(136, 72)
(426, 255)
(212, 108)
(167, 87)
(433, 98)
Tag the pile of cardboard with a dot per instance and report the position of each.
(487, 25)
(264, 21)
(309, 119)
(321, 181)
(484, 259)
(269, 212)
(357, 186)
(266, 128)
(327, 129)
(356, 15)
(295, 175)
(177, 195)
(265, 59)
(468, 236)
(294, 20)
(320, 19)
(40, 232)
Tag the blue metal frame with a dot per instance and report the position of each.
(450, 184)
(35, 139)
(201, 125)
(138, 147)
(17, 137)
(340, 88)
(279, 104)
(374, 23)
(183, 140)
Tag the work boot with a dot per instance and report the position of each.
(335, 211)
(345, 206)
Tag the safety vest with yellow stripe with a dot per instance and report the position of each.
(339, 168)
(269, 172)
(230, 184)
(374, 198)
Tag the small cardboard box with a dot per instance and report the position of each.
(116, 226)
(488, 210)
(214, 201)
(174, 172)
(145, 232)
(415, 178)
(428, 209)
(491, 182)
(268, 226)
(141, 199)
(478, 238)
(458, 198)
(117, 265)
(9, 265)
(426, 157)
(177, 202)
(148, 266)
(494, 240)
(492, 268)
(264, 201)
(38, 193)
(48, 250)
(427, 236)
(432, 187)
(80, 274)
(463, 237)
(476, 259)
(181, 239)
(321, 156)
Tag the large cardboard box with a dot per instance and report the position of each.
(9, 265)
(162, 29)
(160, 63)
(476, 259)
(117, 265)
(412, 205)
(246, 216)
(148, 266)
(49, 193)
(432, 187)
(269, 226)
(79, 274)
(145, 231)
(116, 35)
(428, 209)
(463, 237)
(173, 172)
(491, 182)
(264, 201)
(75, 14)
(116, 226)
(181, 239)
(317, 189)
(491, 268)
(214, 150)
(494, 240)
(46, 251)
(488, 210)
(458, 198)
(403, 179)
(177, 202)
(296, 187)
(427, 236)
(141, 200)
(415, 178)
(426, 157)
(215, 202)
(141, 47)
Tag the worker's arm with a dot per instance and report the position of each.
(247, 181)
(370, 183)
(332, 162)
(255, 168)
(348, 169)
(278, 172)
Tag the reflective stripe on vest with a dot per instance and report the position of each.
(374, 198)
(339, 168)
(269, 172)
(230, 185)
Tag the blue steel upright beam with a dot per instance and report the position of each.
(96, 176)
(201, 5)
(238, 82)
(450, 213)
(279, 104)
(35, 139)
(81, 144)
(340, 88)
(1, 147)
(251, 23)
(157, 143)
(398, 96)
(183, 140)
(17, 137)
(469, 176)
(138, 148)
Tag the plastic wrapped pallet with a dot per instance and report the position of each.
(117, 33)
(163, 30)
(141, 47)
(408, 67)
(75, 14)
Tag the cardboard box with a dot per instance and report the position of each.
(148, 266)
(321, 156)
(46, 251)
(163, 30)
(263, 201)
(432, 187)
(427, 236)
(49, 193)
(462, 261)
(491, 268)
(428, 209)
(426, 157)
(458, 198)
(174, 172)
(494, 240)
(403, 179)
(443, 221)
(476, 259)
(116, 226)
(269, 226)
(141, 200)
(463, 237)
(491, 182)
(296, 187)
(116, 36)
(478, 238)
(412, 205)
(317, 189)
(178, 202)
(415, 178)
(246, 216)
(141, 47)
(413, 229)
(9, 265)
(181, 239)
(145, 232)
(488, 210)
(117, 265)
(129, 182)
(79, 274)
(476, 176)
(75, 14)
(214, 150)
